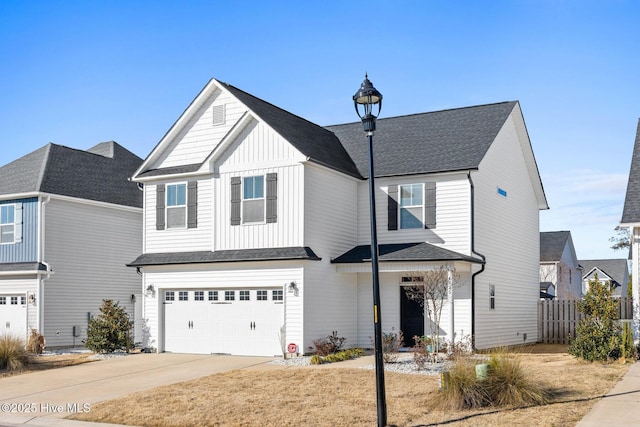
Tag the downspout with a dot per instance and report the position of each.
(41, 236)
(484, 259)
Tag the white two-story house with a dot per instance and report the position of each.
(70, 220)
(256, 226)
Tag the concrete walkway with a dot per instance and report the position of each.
(621, 406)
(43, 398)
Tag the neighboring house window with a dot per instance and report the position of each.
(492, 297)
(570, 276)
(254, 199)
(411, 206)
(261, 295)
(11, 223)
(177, 205)
(276, 295)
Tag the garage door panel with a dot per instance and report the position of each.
(228, 321)
(13, 315)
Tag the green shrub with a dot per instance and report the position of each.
(35, 344)
(628, 348)
(508, 385)
(13, 355)
(598, 333)
(316, 360)
(111, 330)
(340, 356)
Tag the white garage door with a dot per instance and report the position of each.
(227, 321)
(13, 315)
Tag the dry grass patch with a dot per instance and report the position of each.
(317, 396)
(41, 363)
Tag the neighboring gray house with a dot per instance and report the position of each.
(614, 271)
(631, 220)
(257, 237)
(69, 222)
(560, 270)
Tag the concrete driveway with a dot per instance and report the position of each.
(43, 398)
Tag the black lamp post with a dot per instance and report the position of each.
(368, 97)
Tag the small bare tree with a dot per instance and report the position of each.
(432, 289)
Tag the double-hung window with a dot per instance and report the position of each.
(176, 205)
(411, 206)
(7, 223)
(253, 199)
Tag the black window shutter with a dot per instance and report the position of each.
(430, 205)
(392, 207)
(272, 197)
(236, 199)
(160, 206)
(192, 204)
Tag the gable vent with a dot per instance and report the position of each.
(218, 114)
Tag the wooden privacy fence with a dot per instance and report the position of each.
(557, 319)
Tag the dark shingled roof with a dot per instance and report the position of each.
(238, 255)
(631, 211)
(100, 173)
(617, 269)
(403, 252)
(314, 141)
(23, 266)
(441, 141)
(552, 245)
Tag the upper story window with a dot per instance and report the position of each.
(253, 199)
(7, 223)
(176, 205)
(411, 206)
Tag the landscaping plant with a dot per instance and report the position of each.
(111, 330)
(598, 333)
(328, 345)
(13, 355)
(35, 344)
(508, 384)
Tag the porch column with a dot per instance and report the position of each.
(450, 300)
(635, 281)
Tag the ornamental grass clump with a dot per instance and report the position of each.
(462, 389)
(13, 355)
(509, 385)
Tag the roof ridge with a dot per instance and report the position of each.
(45, 165)
(491, 104)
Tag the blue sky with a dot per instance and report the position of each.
(81, 72)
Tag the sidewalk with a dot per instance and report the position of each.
(620, 407)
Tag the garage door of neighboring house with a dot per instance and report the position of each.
(13, 315)
(226, 321)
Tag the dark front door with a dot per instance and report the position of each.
(411, 318)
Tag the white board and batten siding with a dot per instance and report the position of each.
(200, 135)
(507, 233)
(87, 245)
(239, 276)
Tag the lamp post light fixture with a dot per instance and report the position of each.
(367, 99)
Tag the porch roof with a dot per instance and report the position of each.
(240, 255)
(395, 252)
